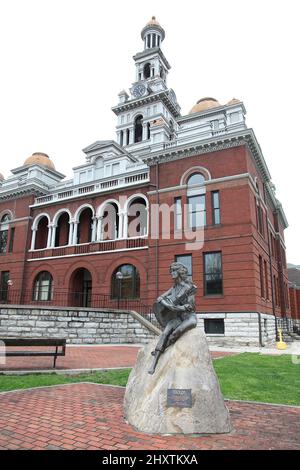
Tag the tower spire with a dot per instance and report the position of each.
(152, 34)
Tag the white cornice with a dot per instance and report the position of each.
(14, 193)
(208, 112)
(160, 96)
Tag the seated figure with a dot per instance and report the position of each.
(174, 310)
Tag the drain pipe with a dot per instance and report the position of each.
(261, 343)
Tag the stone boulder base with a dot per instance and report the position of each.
(185, 365)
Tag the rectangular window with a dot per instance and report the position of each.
(261, 274)
(178, 213)
(115, 168)
(82, 177)
(287, 302)
(215, 124)
(216, 216)
(279, 294)
(186, 260)
(3, 241)
(234, 117)
(274, 247)
(11, 240)
(4, 278)
(275, 289)
(196, 211)
(214, 326)
(266, 280)
(260, 220)
(213, 277)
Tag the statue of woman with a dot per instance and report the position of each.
(174, 310)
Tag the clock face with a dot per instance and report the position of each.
(138, 90)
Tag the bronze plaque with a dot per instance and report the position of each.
(179, 397)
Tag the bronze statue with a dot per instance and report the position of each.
(174, 310)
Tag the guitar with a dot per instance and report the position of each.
(163, 313)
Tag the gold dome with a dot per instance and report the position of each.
(153, 21)
(153, 24)
(39, 158)
(204, 104)
(233, 101)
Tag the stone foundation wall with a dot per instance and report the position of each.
(241, 329)
(91, 326)
(78, 326)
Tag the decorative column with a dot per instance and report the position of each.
(75, 231)
(71, 229)
(144, 131)
(49, 239)
(52, 243)
(33, 238)
(121, 224)
(119, 137)
(99, 228)
(94, 229)
(146, 221)
(131, 135)
(125, 225)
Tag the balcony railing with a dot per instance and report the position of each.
(113, 182)
(93, 247)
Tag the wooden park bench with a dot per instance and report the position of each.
(40, 342)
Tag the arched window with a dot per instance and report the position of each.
(137, 218)
(147, 70)
(4, 226)
(110, 223)
(84, 229)
(195, 179)
(125, 283)
(196, 201)
(42, 233)
(138, 128)
(62, 230)
(43, 285)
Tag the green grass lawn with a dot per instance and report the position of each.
(254, 377)
(247, 376)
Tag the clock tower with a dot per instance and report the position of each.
(147, 115)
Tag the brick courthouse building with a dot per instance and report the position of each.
(59, 247)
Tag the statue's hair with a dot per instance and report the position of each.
(181, 269)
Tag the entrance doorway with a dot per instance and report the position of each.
(81, 288)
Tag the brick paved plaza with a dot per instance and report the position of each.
(89, 416)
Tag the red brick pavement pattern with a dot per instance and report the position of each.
(84, 357)
(89, 416)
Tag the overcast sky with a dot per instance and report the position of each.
(63, 63)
